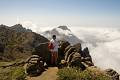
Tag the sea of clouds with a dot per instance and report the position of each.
(103, 43)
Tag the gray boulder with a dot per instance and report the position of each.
(74, 60)
(34, 65)
(112, 73)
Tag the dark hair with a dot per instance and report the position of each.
(54, 36)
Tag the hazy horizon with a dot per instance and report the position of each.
(97, 13)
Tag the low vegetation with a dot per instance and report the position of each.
(75, 74)
(12, 73)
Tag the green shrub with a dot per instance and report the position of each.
(75, 74)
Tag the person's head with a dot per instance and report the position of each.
(54, 37)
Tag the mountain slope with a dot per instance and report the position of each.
(16, 44)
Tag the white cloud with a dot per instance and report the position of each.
(104, 45)
(39, 28)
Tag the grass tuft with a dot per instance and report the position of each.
(76, 74)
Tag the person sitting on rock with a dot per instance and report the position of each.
(53, 46)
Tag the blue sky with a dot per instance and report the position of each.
(61, 12)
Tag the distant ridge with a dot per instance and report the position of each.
(20, 28)
(64, 28)
(64, 33)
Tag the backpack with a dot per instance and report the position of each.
(50, 45)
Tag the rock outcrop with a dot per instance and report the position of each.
(74, 55)
(112, 73)
(34, 65)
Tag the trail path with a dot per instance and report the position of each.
(49, 74)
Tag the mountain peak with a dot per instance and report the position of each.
(3, 26)
(20, 28)
(17, 25)
(62, 33)
(64, 28)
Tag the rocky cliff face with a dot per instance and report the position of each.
(74, 55)
(17, 42)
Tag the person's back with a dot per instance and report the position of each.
(55, 45)
(54, 50)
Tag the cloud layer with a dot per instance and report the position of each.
(104, 45)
